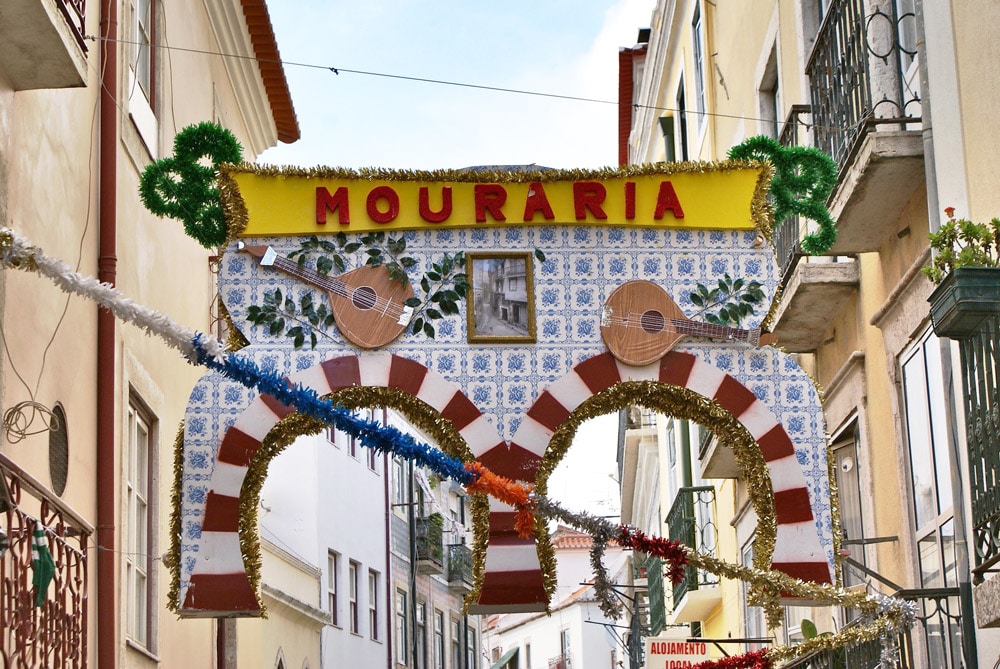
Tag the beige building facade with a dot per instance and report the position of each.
(90, 94)
(897, 93)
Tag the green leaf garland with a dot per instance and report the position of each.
(183, 187)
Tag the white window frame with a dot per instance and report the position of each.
(142, 73)
(373, 599)
(140, 495)
(332, 578)
(353, 596)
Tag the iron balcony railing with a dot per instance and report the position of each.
(859, 72)
(429, 543)
(980, 355)
(787, 234)
(459, 565)
(55, 633)
(75, 12)
(934, 641)
(691, 521)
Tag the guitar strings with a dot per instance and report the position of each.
(385, 306)
(677, 326)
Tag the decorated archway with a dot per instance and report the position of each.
(505, 302)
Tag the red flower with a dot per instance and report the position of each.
(949, 212)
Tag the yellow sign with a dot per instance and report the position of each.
(289, 204)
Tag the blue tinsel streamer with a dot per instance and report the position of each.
(381, 438)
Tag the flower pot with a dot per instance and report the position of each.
(963, 300)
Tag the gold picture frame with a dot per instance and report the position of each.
(500, 303)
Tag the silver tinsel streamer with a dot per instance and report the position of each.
(17, 252)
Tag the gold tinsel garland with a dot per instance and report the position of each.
(172, 561)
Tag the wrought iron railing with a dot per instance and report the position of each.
(980, 378)
(459, 565)
(429, 541)
(934, 641)
(75, 12)
(691, 521)
(55, 633)
(787, 234)
(857, 74)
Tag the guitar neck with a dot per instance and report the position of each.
(311, 277)
(702, 329)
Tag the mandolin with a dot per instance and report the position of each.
(640, 323)
(367, 303)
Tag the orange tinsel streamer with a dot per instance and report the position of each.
(518, 495)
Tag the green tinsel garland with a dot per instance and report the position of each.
(180, 187)
(804, 177)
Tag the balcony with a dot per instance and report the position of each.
(935, 640)
(717, 459)
(429, 544)
(459, 568)
(691, 521)
(811, 297)
(865, 109)
(965, 307)
(561, 662)
(38, 635)
(42, 45)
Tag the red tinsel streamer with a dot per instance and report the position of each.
(671, 551)
(507, 491)
(756, 659)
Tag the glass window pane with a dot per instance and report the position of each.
(918, 433)
(930, 562)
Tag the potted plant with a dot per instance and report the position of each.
(966, 267)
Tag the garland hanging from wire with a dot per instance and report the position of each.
(884, 616)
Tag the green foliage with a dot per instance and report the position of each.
(962, 243)
(443, 285)
(803, 179)
(304, 319)
(183, 186)
(808, 628)
(735, 299)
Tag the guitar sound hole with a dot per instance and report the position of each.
(364, 298)
(652, 321)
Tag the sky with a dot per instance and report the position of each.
(554, 47)
(560, 47)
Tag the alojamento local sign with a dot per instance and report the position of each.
(665, 652)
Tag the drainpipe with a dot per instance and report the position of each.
(389, 590)
(968, 624)
(107, 606)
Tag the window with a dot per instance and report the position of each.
(401, 625)
(352, 582)
(142, 72)
(846, 471)
(456, 643)
(698, 53)
(753, 616)
(564, 642)
(512, 284)
(471, 646)
(682, 126)
(930, 491)
(398, 481)
(527, 656)
(421, 635)
(333, 570)
(373, 604)
(769, 98)
(337, 438)
(141, 530)
(438, 639)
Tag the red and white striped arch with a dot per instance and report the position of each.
(513, 577)
(218, 582)
(512, 581)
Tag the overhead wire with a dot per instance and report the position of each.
(459, 84)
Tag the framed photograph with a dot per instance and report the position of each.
(501, 303)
